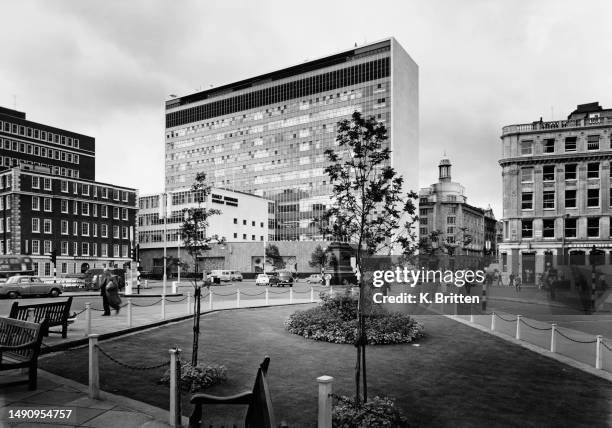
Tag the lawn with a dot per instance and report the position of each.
(457, 377)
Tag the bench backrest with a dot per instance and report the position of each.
(15, 332)
(260, 412)
(54, 312)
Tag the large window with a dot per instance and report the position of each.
(570, 198)
(526, 175)
(527, 228)
(35, 225)
(527, 200)
(592, 197)
(526, 148)
(548, 173)
(570, 228)
(570, 144)
(593, 227)
(548, 199)
(593, 142)
(549, 145)
(570, 171)
(35, 203)
(548, 228)
(593, 170)
(47, 225)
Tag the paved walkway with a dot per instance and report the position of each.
(55, 392)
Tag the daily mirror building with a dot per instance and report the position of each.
(266, 135)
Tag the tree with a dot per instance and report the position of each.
(193, 231)
(274, 256)
(368, 207)
(318, 258)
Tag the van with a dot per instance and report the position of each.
(235, 275)
(222, 275)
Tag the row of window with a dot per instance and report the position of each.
(37, 134)
(78, 249)
(56, 170)
(36, 150)
(47, 205)
(548, 199)
(548, 172)
(593, 143)
(82, 189)
(119, 232)
(570, 228)
(244, 223)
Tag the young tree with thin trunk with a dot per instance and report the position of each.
(318, 258)
(196, 242)
(368, 207)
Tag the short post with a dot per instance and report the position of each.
(471, 313)
(175, 390)
(518, 327)
(173, 287)
(88, 318)
(267, 296)
(94, 373)
(311, 294)
(598, 352)
(237, 297)
(146, 283)
(325, 401)
(210, 300)
(188, 302)
(163, 306)
(553, 338)
(492, 321)
(331, 291)
(129, 311)
(290, 295)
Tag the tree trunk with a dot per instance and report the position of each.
(196, 320)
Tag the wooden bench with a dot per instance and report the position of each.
(20, 346)
(259, 413)
(56, 313)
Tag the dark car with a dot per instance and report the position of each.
(92, 278)
(284, 278)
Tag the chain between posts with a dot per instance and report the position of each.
(144, 306)
(534, 327)
(574, 340)
(128, 366)
(606, 346)
(504, 319)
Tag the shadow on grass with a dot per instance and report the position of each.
(457, 377)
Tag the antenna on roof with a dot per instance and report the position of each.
(355, 44)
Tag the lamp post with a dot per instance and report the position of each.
(564, 217)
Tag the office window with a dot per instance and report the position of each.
(592, 197)
(124, 232)
(570, 198)
(244, 222)
(526, 175)
(548, 173)
(75, 206)
(64, 205)
(35, 203)
(75, 228)
(526, 148)
(548, 199)
(548, 228)
(593, 227)
(593, 142)
(84, 248)
(116, 232)
(570, 144)
(47, 203)
(570, 171)
(593, 170)
(35, 246)
(549, 145)
(64, 186)
(124, 251)
(86, 189)
(64, 227)
(95, 210)
(526, 201)
(116, 250)
(244, 236)
(75, 248)
(94, 249)
(124, 213)
(64, 248)
(95, 230)
(527, 228)
(47, 247)
(235, 221)
(84, 229)
(104, 230)
(35, 182)
(47, 183)
(35, 225)
(235, 235)
(104, 250)
(85, 208)
(116, 213)
(570, 227)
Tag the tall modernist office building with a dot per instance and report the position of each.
(557, 191)
(267, 134)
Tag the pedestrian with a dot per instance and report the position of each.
(103, 280)
(511, 282)
(498, 276)
(517, 283)
(112, 293)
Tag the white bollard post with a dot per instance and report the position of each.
(325, 401)
(163, 306)
(471, 313)
(598, 352)
(553, 338)
(88, 318)
(267, 297)
(311, 295)
(518, 327)
(210, 300)
(175, 393)
(188, 302)
(290, 295)
(331, 291)
(492, 321)
(173, 287)
(238, 297)
(94, 373)
(129, 311)
(146, 283)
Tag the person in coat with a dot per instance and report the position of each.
(104, 279)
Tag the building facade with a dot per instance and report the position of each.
(461, 227)
(88, 224)
(557, 191)
(267, 135)
(27, 144)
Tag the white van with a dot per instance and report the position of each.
(226, 275)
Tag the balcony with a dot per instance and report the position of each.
(556, 124)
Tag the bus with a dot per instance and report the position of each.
(11, 265)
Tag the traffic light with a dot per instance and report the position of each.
(54, 257)
(136, 252)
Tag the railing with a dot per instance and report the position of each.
(556, 124)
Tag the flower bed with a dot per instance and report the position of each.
(335, 321)
(377, 412)
(197, 378)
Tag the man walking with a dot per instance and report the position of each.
(104, 278)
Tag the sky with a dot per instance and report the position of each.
(104, 68)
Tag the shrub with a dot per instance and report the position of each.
(378, 412)
(197, 378)
(336, 321)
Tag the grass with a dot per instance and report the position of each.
(457, 377)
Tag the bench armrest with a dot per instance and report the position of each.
(242, 398)
(16, 347)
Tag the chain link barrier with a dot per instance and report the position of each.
(129, 366)
(175, 301)
(534, 327)
(145, 306)
(242, 293)
(223, 294)
(606, 346)
(574, 340)
(278, 292)
(504, 319)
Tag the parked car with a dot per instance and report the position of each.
(262, 279)
(222, 275)
(19, 285)
(235, 275)
(315, 278)
(284, 278)
(92, 278)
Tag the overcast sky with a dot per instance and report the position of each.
(104, 68)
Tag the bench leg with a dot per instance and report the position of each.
(32, 376)
(64, 330)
